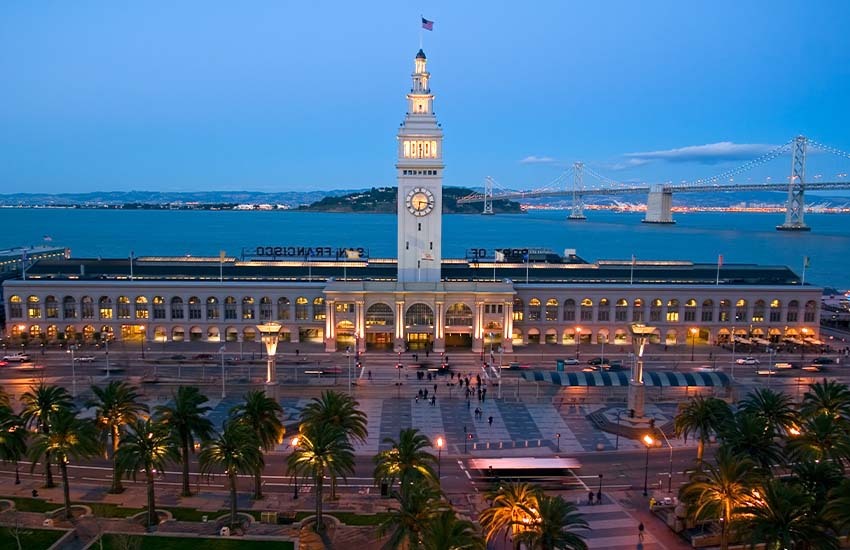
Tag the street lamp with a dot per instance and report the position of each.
(693, 341)
(270, 336)
(578, 341)
(71, 350)
(648, 441)
(223, 392)
(670, 473)
(348, 356)
(558, 439)
(440, 443)
(599, 492)
(294, 476)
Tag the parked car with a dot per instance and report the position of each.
(17, 357)
(814, 367)
(599, 361)
(571, 361)
(84, 358)
(823, 361)
(203, 357)
(747, 361)
(783, 365)
(765, 372)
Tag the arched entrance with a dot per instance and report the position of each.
(419, 326)
(459, 326)
(345, 335)
(533, 336)
(380, 325)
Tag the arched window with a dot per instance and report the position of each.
(248, 308)
(793, 311)
(534, 309)
(551, 309)
(265, 308)
(51, 307)
(379, 315)
(69, 307)
(673, 311)
(725, 311)
(319, 309)
(458, 315)
(87, 308)
(283, 309)
(690, 310)
(604, 311)
(195, 311)
(569, 309)
(419, 315)
(159, 311)
(621, 310)
(741, 310)
(637, 311)
(212, 308)
(123, 307)
(758, 311)
(104, 306)
(707, 311)
(230, 308)
(809, 313)
(587, 309)
(775, 311)
(177, 312)
(141, 307)
(301, 313)
(519, 309)
(16, 307)
(33, 307)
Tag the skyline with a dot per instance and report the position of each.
(202, 97)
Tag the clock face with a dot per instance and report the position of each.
(420, 201)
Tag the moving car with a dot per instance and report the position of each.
(599, 361)
(823, 361)
(814, 367)
(84, 358)
(571, 361)
(783, 365)
(17, 357)
(747, 361)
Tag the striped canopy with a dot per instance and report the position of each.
(651, 378)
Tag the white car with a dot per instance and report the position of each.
(571, 361)
(19, 357)
(747, 361)
(85, 358)
(783, 366)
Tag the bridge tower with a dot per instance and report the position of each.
(796, 204)
(488, 196)
(659, 205)
(578, 206)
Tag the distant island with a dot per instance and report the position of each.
(383, 200)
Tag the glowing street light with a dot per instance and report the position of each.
(578, 341)
(694, 332)
(649, 442)
(294, 476)
(440, 444)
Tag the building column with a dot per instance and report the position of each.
(439, 328)
(360, 325)
(508, 328)
(478, 328)
(399, 327)
(330, 325)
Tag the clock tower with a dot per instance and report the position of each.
(420, 183)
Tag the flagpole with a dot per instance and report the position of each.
(420, 31)
(632, 271)
(805, 264)
(719, 261)
(131, 265)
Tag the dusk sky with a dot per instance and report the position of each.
(275, 96)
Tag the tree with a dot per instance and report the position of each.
(40, 402)
(235, 450)
(446, 531)
(553, 526)
(817, 478)
(701, 416)
(751, 436)
(261, 414)
(69, 437)
(341, 410)
(822, 437)
(775, 408)
(13, 438)
(828, 397)
(417, 508)
(186, 421)
(782, 516)
(117, 404)
(837, 508)
(509, 511)
(146, 446)
(321, 450)
(721, 491)
(405, 461)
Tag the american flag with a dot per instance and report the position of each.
(427, 25)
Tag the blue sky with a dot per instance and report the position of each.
(214, 95)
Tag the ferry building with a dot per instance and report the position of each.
(418, 299)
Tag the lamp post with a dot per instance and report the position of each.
(223, 392)
(294, 476)
(464, 438)
(558, 440)
(440, 443)
(693, 341)
(578, 342)
(71, 350)
(648, 441)
(348, 356)
(270, 335)
(599, 492)
(617, 441)
(670, 473)
(733, 352)
(106, 343)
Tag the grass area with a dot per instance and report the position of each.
(348, 518)
(119, 542)
(23, 504)
(30, 538)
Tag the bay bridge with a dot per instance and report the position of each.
(660, 195)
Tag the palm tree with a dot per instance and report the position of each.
(837, 508)
(236, 450)
(146, 446)
(822, 437)
(721, 491)
(13, 438)
(321, 450)
(261, 413)
(185, 418)
(406, 460)
(341, 410)
(751, 436)
(446, 531)
(116, 405)
(553, 524)
(782, 516)
(828, 397)
(817, 478)
(701, 416)
(40, 402)
(775, 408)
(69, 437)
(509, 510)
(406, 525)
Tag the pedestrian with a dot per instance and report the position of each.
(417, 398)
(468, 404)
(297, 352)
(426, 353)
(640, 532)
(369, 374)
(433, 400)
(490, 421)
(590, 498)
(426, 393)
(483, 394)
(478, 380)
(479, 394)
(435, 388)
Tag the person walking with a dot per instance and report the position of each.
(640, 532)
(490, 421)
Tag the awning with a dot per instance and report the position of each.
(761, 341)
(651, 378)
(814, 341)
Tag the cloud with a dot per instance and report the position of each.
(626, 164)
(534, 159)
(710, 153)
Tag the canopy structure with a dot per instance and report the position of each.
(524, 463)
(650, 378)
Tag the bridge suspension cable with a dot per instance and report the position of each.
(749, 165)
(829, 149)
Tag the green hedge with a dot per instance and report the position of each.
(118, 542)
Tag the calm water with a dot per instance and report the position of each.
(741, 238)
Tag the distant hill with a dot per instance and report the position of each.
(292, 199)
(383, 200)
